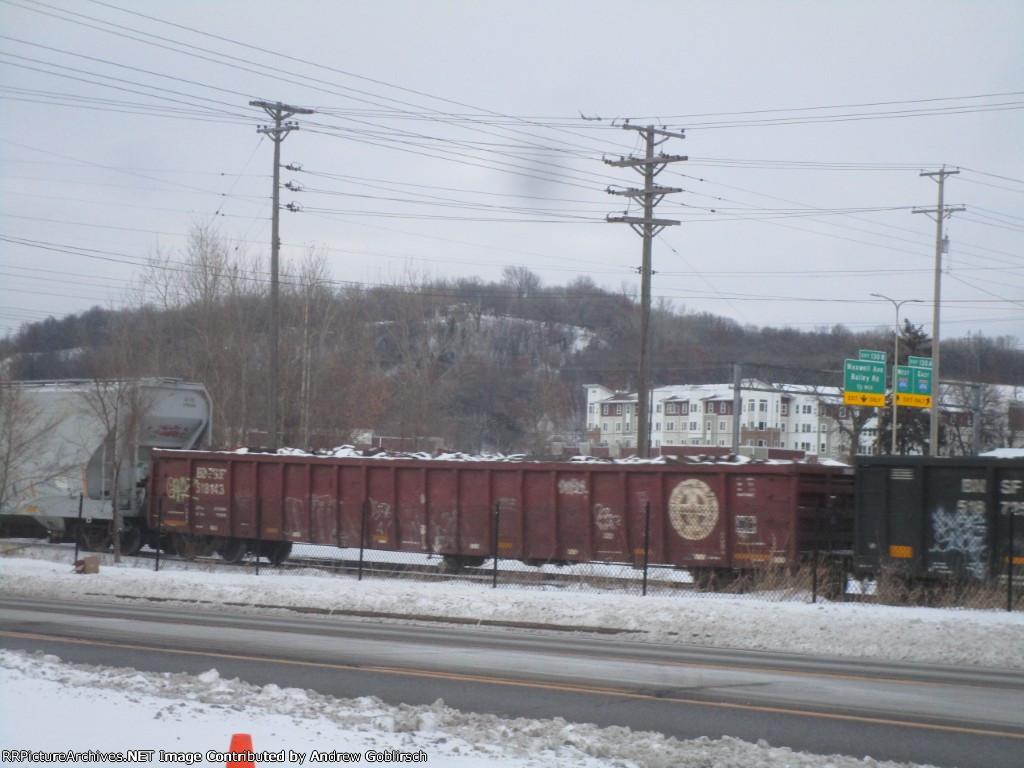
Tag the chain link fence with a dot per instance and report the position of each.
(819, 577)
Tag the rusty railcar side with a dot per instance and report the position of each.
(701, 515)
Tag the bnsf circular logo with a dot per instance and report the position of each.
(693, 509)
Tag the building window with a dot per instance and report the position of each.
(618, 426)
(618, 410)
(785, 409)
(670, 426)
(721, 408)
(721, 426)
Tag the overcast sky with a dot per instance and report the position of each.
(454, 138)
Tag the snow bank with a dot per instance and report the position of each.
(853, 630)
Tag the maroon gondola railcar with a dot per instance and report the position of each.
(714, 515)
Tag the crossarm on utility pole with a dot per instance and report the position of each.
(650, 165)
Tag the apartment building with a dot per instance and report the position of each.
(771, 416)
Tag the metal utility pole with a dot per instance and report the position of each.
(279, 113)
(940, 212)
(647, 227)
(896, 359)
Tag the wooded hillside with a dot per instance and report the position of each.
(482, 366)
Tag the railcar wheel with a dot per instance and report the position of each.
(276, 551)
(187, 547)
(451, 564)
(455, 563)
(95, 538)
(233, 550)
(131, 540)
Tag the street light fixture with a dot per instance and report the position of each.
(896, 357)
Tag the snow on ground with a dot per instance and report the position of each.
(51, 706)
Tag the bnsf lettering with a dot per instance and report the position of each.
(972, 485)
(1011, 487)
(211, 473)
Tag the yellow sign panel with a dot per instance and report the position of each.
(900, 551)
(863, 398)
(914, 401)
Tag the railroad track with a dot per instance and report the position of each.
(617, 576)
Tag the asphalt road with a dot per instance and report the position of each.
(946, 716)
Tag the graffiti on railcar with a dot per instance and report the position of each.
(607, 520)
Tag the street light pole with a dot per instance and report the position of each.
(896, 357)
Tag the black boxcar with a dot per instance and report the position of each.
(932, 517)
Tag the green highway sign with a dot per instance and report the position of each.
(872, 355)
(913, 385)
(864, 381)
(904, 380)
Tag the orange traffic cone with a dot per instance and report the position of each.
(241, 746)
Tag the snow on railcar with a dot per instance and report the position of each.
(711, 514)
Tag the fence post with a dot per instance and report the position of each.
(815, 555)
(362, 535)
(1009, 566)
(647, 543)
(159, 530)
(497, 520)
(78, 531)
(259, 533)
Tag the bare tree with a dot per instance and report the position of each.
(417, 350)
(26, 459)
(118, 406)
(986, 422)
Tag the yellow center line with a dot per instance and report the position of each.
(563, 687)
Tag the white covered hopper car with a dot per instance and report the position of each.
(67, 440)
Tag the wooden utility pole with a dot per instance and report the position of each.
(279, 113)
(940, 212)
(647, 227)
